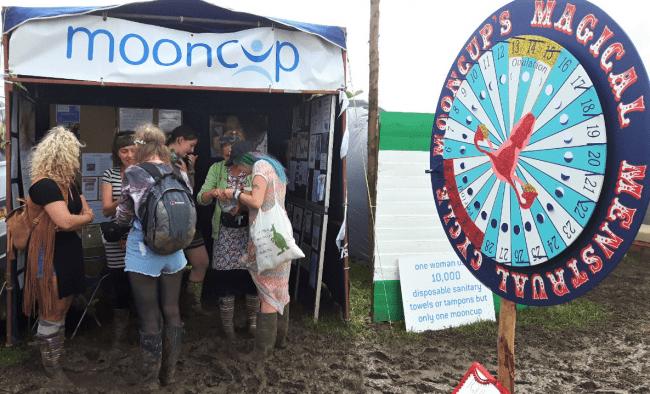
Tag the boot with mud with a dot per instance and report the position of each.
(51, 347)
(151, 347)
(194, 293)
(227, 309)
(283, 328)
(252, 308)
(121, 321)
(171, 350)
(267, 330)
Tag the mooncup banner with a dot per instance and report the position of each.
(115, 50)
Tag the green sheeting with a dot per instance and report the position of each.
(405, 131)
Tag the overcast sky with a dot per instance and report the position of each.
(414, 61)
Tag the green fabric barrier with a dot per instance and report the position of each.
(405, 131)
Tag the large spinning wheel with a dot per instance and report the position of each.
(527, 143)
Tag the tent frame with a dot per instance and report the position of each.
(9, 88)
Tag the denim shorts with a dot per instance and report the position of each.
(140, 259)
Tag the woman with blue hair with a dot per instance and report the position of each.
(269, 184)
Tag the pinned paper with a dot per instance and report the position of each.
(344, 101)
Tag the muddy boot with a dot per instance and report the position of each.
(51, 347)
(283, 327)
(227, 308)
(171, 350)
(61, 336)
(252, 307)
(267, 329)
(121, 321)
(194, 293)
(151, 347)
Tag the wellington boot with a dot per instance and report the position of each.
(151, 347)
(252, 307)
(171, 350)
(227, 309)
(50, 347)
(121, 322)
(194, 294)
(267, 330)
(283, 328)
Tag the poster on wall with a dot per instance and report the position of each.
(90, 187)
(130, 118)
(95, 164)
(169, 119)
(540, 148)
(68, 113)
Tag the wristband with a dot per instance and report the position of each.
(191, 173)
(236, 194)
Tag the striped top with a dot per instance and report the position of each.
(114, 252)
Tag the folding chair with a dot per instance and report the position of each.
(92, 283)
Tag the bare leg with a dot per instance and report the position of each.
(265, 306)
(198, 258)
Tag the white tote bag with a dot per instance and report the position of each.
(272, 236)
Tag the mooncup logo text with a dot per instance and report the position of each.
(257, 55)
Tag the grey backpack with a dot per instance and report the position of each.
(168, 214)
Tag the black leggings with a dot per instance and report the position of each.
(153, 295)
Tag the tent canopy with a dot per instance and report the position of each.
(197, 16)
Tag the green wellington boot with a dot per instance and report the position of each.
(267, 330)
(283, 328)
(194, 293)
(171, 350)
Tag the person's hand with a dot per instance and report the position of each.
(220, 194)
(191, 159)
(235, 210)
(90, 213)
(181, 164)
(122, 243)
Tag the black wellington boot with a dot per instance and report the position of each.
(171, 350)
(151, 346)
(267, 330)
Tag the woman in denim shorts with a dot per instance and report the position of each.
(155, 279)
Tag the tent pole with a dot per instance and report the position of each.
(373, 136)
(8, 89)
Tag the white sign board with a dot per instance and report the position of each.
(440, 292)
(116, 50)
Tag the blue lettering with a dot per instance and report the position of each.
(145, 49)
(208, 50)
(91, 41)
(278, 64)
(220, 55)
(157, 45)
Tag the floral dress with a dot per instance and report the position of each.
(273, 285)
(230, 246)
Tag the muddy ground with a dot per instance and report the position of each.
(609, 357)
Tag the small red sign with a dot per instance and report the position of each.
(478, 380)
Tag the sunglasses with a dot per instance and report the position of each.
(125, 133)
(230, 138)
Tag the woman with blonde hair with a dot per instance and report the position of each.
(155, 279)
(55, 266)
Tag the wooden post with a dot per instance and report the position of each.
(373, 136)
(506, 344)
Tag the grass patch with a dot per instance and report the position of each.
(580, 313)
(10, 356)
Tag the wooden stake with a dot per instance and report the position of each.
(506, 344)
(373, 136)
